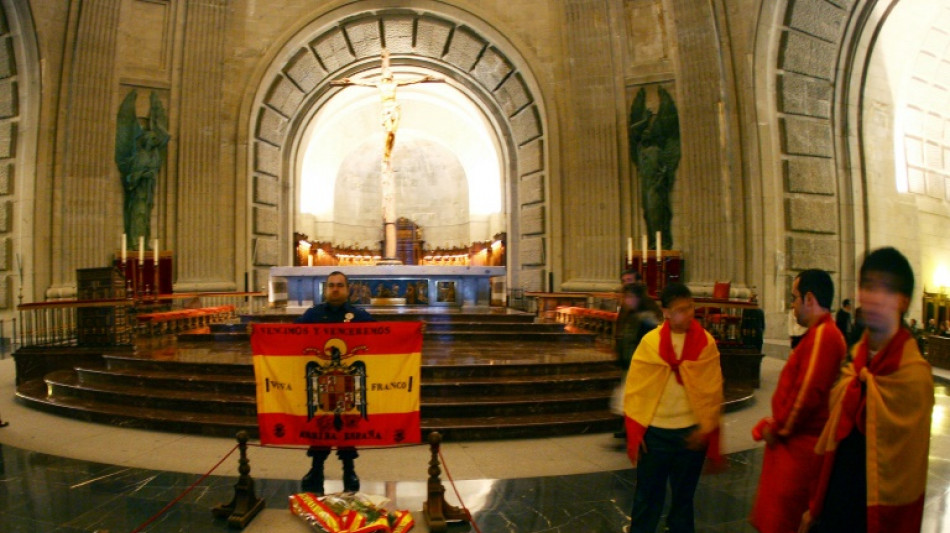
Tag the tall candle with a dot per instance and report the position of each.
(659, 246)
(141, 249)
(309, 260)
(643, 247)
(156, 251)
(630, 250)
(124, 251)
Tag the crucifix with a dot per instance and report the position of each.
(387, 84)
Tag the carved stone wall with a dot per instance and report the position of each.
(591, 213)
(708, 208)
(9, 127)
(807, 73)
(87, 203)
(202, 197)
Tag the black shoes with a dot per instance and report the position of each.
(351, 483)
(313, 482)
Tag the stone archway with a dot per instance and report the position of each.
(458, 45)
(810, 67)
(19, 116)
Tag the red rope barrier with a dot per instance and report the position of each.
(457, 495)
(204, 476)
(288, 447)
(183, 494)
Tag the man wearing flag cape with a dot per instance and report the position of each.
(875, 445)
(672, 403)
(790, 466)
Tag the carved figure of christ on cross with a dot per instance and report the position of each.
(387, 85)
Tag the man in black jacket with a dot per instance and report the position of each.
(335, 308)
(843, 318)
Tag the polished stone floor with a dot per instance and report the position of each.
(59, 475)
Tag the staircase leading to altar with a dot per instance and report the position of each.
(485, 375)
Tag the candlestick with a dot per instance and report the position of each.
(124, 246)
(643, 241)
(659, 246)
(156, 251)
(630, 250)
(141, 249)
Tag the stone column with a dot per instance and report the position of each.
(87, 198)
(204, 243)
(388, 186)
(707, 198)
(591, 188)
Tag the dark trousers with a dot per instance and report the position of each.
(322, 452)
(667, 459)
(846, 502)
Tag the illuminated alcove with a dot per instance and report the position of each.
(906, 105)
(446, 161)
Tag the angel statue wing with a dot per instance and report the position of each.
(127, 134)
(666, 131)
(158, 124)
(638, 124)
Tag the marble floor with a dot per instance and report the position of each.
(61, 475)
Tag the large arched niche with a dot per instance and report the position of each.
(431, 190)
(430, 37)
(446, 162)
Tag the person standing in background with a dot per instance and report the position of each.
(843, 318)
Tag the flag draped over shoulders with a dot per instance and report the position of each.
(889, 400)
(698, 370)
(790, 466)
(800, 402)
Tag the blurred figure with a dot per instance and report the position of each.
(638, 315)
(875, 445)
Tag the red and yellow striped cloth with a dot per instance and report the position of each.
(312, 509)
(699, 372)
(890, 400)
(389, 354)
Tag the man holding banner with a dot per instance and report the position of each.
(336, 378)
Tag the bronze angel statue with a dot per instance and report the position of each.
(655, 151)
(139, 154)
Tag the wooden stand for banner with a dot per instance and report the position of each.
(435, 509)
(245, 505)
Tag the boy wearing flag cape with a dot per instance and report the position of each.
(672, 403)
(875, 445)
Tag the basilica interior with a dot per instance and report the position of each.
(810, 132)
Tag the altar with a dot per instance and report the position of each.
(393, 285)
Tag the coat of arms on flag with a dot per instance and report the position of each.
(351, 384)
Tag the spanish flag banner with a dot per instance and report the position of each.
(350, 384)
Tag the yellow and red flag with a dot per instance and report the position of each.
(349, 384)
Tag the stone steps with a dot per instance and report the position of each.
(502, 377)
(472, 389)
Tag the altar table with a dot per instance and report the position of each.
(410, 285)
